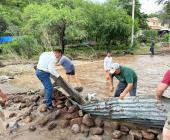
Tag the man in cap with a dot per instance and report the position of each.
(127, 80)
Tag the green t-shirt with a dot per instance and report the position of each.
(126, 75)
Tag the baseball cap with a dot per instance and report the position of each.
(114, 67)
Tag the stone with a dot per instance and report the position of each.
(58, 102)
(52, 125)
(79, 89)
(65, 123)
(99, 122)
(96, 131)
(22, 106)
(85, 129)
(76, 121)
(53, 116)
(12, 125)
(63, 98)
(116, 134)
(87, 120)
(115, 125)
(147, 135)
(160, 136)
(67, 103)
(73, 108)
(28, 119)
(43, 121)
(63, 110)
(136, 133)
(81, 114)
(154, 131)
(127, 137)
(42, 92)
(60, 106)
(35, 98)
(34, 107)
(75, 128)
(32, 128)
(11, 115)
(42, 108)
(71, 116)
(124, 128)
(17, 99)
(95, 137)
(2, 64)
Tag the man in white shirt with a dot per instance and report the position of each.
(107, 64)
(47, 66)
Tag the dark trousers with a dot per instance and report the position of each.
(121, 87)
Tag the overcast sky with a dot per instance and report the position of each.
(148, 6)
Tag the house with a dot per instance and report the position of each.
(154, 23)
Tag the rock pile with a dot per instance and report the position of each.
(28, 109)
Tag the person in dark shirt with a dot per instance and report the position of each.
(152, 48)
(127, 80)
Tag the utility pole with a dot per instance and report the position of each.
(133, 21)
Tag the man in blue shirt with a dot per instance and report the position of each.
(68, 66)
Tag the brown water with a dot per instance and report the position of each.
(150, 71)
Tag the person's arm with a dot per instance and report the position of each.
(52, 68)
(160, 90)
(111, 87)
(126, 90)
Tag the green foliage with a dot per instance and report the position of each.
(148, 35)
(166, 37)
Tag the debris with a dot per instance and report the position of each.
(28, 119)
(11, 115)
(65, 123)
(35, 98)
(69, 116)
(81, 114)
(73, 108)
(136, 133)
(42, 108)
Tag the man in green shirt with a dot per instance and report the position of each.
(127, 80)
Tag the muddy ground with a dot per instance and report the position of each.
(150, 70)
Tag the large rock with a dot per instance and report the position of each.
(96, 131)
(35, 98)
(53, 116)
(52, 125)
(71, 116)
(76, 121)
(99, 122)
(73, 108)
(87, 120)
(147, 135)
(124, 128)
(116, 134)
(136, 133)
(75, 128)
(42, 108)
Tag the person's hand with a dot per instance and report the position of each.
(122, 95)
(111, 88)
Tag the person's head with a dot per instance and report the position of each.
(58, 53)
(115, 68)
(108, 53)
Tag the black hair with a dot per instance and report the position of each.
(58, 50)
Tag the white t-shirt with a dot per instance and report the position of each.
(107, 63)
(47, 62)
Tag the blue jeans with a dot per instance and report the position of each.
(121, 87)
(44, 77)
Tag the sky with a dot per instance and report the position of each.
(148, 6)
